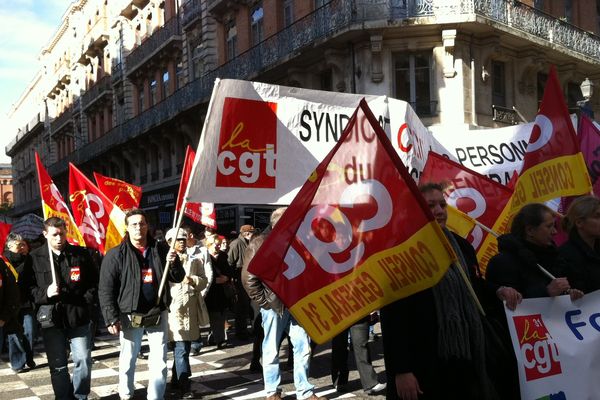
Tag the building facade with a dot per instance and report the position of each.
(125, 84)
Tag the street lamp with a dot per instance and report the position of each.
(587, 90)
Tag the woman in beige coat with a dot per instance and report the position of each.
(187, 313)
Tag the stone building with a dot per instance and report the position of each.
(6, 185)
(125, 84)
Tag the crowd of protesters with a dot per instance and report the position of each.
(447, 342)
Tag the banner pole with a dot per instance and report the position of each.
(54, 278)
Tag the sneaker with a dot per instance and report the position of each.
(142, 356)
(377, 389)
(31, 364)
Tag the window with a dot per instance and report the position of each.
(569, 10)
(412, 73)
(256, 23)
(140, 100)
(153, 99)
(327, 80)
(231, 40)
(165, 84)
(288, 12)
(498, 84)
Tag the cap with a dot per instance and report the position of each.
(246, 228)
(171, 234)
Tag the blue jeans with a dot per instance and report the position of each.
(181, 364)
(19, 351)
(56, 341)
(131, 340)
(29, 327)
(275, 326)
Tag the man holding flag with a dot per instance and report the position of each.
(277, 320)
(69, 283)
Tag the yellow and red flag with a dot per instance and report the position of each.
(203, 213)
(358, 235)
(100, 221)
(124, 195)
(475, 196)
(553, 165)
(4, 231)
(53, 204)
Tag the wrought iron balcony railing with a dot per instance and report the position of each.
(117, 73)
(158, 40)
(101, 88)
(62, 120)
(191, 10)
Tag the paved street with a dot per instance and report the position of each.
(217, 374)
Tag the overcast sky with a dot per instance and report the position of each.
(25, 27)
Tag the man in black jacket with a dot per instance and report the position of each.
(72, 295)
(129, 283)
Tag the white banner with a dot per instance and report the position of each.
(557, 343)
(497, 153)
(261, 142)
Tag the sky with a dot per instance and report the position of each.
(25, 28)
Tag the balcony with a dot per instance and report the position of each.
(95, 40)
(100, 90)
(329, 21)
(218, 7)
(35, 126)
(117, 73)
(166, 37)
(61, 121)
(191, 11)
(131, 10)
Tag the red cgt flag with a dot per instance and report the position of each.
(190, 154)
(553, 165)
(53, 204)
(357, 236)
(203, 213)
(99, 220)
(124, 195)
(4, 231)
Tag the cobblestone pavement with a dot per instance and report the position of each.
(216, 374)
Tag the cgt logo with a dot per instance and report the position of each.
(538, 351)
(247, 144)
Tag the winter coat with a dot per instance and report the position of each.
(583, 263)
(77, 280)
(515, 266)
(216, 298)
(256, 289)
(236, 255)
(9, 301)
(121, 278)
(187, 311)
(22, 264)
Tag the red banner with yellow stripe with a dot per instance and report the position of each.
(53, 204)
(357, 236)
(100, 221)
(124, 195)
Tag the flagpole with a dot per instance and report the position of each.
(50, 256)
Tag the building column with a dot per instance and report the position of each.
(172, 68)
(135, 100)
(159, 86)
(146, 93)
(107, 118)
(98, 125)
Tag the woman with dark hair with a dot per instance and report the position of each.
(526, 259)
(582, 250)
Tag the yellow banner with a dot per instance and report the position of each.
(415, 265)
(72, 231)
(489, 247)
(558, 177)
(459, 222)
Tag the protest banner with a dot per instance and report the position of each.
(4, 231)
(553, 166)
(478, 196)
(557, 345)
(101, 223)
(496, 153)
(202, 213)
(53, 204)
(260, 142)
(358, 235)
(124, 195)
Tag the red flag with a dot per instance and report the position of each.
(202, 213)
(123, 194)
(190, 154)
(553, 165)
(474, 194)
(53, 204)
(100, 221)
(4, 231)
(357, 236)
